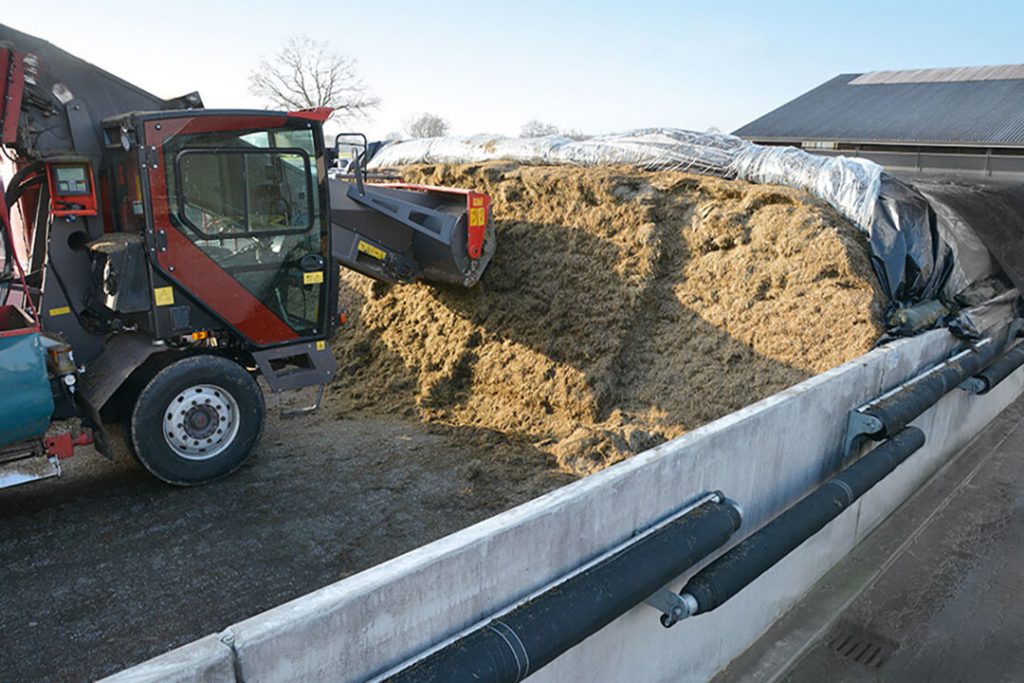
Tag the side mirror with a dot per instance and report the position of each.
(358, 168)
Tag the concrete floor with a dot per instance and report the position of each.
(106, 567)
(936, 593)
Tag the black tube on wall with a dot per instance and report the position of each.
(519, 643)
(731, 573)
(1002, 368)
(897, 411)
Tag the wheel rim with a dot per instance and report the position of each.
(201, 422)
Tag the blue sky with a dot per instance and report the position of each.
(489, 67)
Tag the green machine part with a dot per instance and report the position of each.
(27, 403)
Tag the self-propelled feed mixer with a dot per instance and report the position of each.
(158, 257)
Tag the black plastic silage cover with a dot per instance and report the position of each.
(910, 258)
(959, 241)
(983, 221)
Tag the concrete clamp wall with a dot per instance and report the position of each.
(207, 660)
(764, 456)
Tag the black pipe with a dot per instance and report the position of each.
(1002, 368)
(899, 409)
(519, 643)
(13, 194)
(15, 187)
(731, 573)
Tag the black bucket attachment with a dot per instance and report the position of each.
(404, 233)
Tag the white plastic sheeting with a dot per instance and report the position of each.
(851, 186)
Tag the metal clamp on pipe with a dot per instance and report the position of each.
(673, 606)
(738, 568)
(524, 637)
(892, 411)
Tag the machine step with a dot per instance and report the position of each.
(29, 468)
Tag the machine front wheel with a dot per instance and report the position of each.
(197, 420)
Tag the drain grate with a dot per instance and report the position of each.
(855, 643)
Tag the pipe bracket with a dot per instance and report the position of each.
(858, 426)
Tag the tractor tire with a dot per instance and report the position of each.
(197, 420)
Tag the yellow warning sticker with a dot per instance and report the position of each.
(61, 310)
(477, 217)
(314, 278)
(371, 250)
(320, 346)
(163, 296)
(478, 201)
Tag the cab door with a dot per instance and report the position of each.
(238, 220)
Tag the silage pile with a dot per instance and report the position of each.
(622, 308)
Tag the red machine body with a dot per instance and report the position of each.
(176, 253)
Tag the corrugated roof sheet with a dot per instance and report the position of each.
(1003, 72)
(949, 112)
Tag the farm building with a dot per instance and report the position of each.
(966, 122)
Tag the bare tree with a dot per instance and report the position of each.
(535, 128)
(427, 126)
(307, 73)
